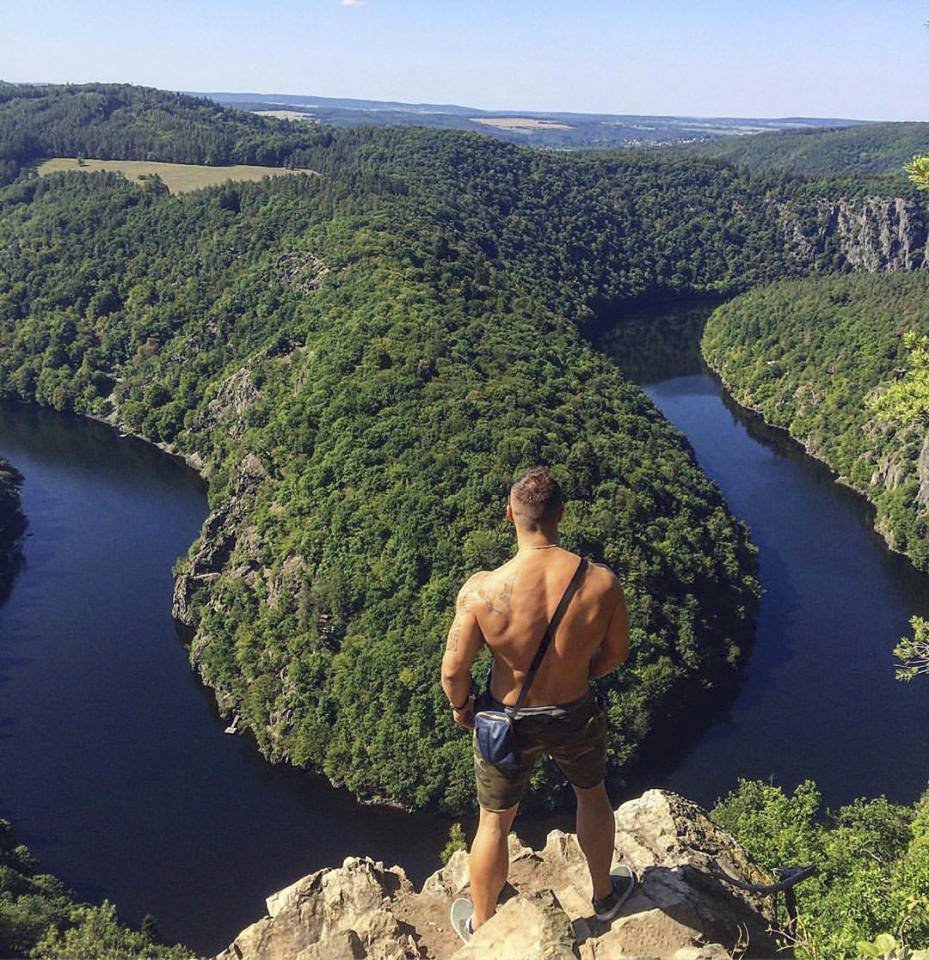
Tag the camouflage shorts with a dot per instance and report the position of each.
(575, 740)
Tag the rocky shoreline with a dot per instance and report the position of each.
(12, 525)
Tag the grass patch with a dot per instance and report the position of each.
(178, 177)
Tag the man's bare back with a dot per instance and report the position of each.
(509, 609)
(513, 605)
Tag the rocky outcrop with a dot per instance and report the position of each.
(12, 525)
(868, 233)
(234, 396)
(922, 473)
(684, 908)
(880, 233)
(301, 269)
(222, 530)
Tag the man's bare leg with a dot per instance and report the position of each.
(490, 862)
(596, 833)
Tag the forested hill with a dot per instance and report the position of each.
(361, 386)
(862, 150)
(123, 122)
(361, 360)
(808, 355)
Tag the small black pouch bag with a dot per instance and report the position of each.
(495, 729)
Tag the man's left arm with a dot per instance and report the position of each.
(463, 644)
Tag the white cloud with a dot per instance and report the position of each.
(353, 3)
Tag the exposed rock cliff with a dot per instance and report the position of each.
(867, 233)
(683, 909)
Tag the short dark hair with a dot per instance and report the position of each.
(536, 496)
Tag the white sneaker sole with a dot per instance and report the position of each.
(461, 912)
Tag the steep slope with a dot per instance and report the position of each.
(12, 524)
(807, 355)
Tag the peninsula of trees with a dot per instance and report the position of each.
(360, 359)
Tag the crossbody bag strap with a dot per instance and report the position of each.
(570, 590)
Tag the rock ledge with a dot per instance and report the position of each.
(683, 908)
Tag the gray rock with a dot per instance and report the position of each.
(525, 928)
(684, 908)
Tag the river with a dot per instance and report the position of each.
(114, 767)
(818, 698)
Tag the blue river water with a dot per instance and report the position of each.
(114, 768)
(818, 698)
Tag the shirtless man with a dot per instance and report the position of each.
(509, 609)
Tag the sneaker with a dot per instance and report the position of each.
(461, 913)
(624, 881)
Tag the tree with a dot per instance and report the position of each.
(907, 400)
(913, 652)
(918, 169)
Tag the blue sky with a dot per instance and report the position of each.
(838, 58)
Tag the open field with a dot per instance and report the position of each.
(285, 114)
(178, 177)
(521, 123)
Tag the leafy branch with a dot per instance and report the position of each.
(912, 653)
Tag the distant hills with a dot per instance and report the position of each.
(527, 127)
(865, 149)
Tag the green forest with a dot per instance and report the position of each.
(361, 361)
(864, 150)
(871, 859)
(808, 355)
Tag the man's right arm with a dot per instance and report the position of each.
(615, 647)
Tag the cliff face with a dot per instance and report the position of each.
(868, 233)
(879, 233)
(683, 908)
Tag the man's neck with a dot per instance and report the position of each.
(536, 540)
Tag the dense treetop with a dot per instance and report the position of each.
(863, 150)
(871, 857)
